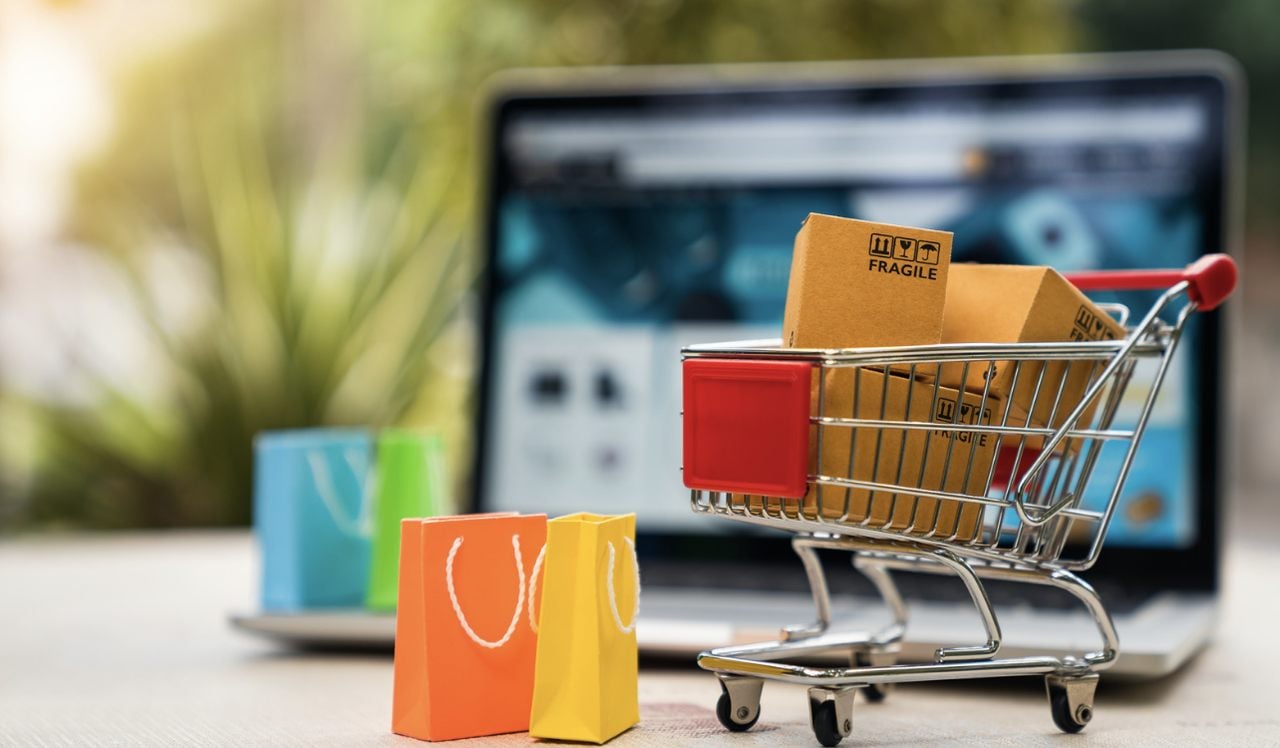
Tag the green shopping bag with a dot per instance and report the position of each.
(410, 476)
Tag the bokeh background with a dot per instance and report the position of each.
(224, 216)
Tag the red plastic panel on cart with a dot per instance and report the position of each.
(746, 426)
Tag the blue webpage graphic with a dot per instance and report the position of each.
(626, 278)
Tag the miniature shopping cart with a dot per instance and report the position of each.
(1001, 499)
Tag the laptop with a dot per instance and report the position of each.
(630, 212)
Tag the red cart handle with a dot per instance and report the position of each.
(1210, 280)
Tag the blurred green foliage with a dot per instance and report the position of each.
(1244, 29)
(316, 161)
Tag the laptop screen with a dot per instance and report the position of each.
(626, 226)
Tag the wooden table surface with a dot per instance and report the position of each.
(123, 640)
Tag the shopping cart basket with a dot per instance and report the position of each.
(998, 498)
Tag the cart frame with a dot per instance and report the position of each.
(1032, 528)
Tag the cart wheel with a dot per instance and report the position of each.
(1071, 701)
(830, 711)
(824, 724)
(725, 711)
(1062, 716)
(738, 707)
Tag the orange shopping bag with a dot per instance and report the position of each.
(464, 641)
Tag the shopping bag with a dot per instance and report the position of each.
(311, 517)
(409, 481)
(465, 640)
(585, 687)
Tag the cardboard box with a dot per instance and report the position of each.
(862, 284)
(1017, 304)
(914, 458)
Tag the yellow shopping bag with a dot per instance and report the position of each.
(584, 684)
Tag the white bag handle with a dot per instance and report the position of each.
(533, 585)
(613, 597)
(361, 526)
(457, 609)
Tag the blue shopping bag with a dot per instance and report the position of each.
(312, 517)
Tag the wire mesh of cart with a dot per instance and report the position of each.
(869, 451)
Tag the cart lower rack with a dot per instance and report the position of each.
(864, 451)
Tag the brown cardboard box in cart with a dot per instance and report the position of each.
(930, 459)
(863, 284)
(859, 284)
(1018, 304)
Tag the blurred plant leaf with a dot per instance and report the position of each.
(315, 163)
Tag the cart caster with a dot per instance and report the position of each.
(831, 712)
(738, 707)
(1071, 700)
(875, 692)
